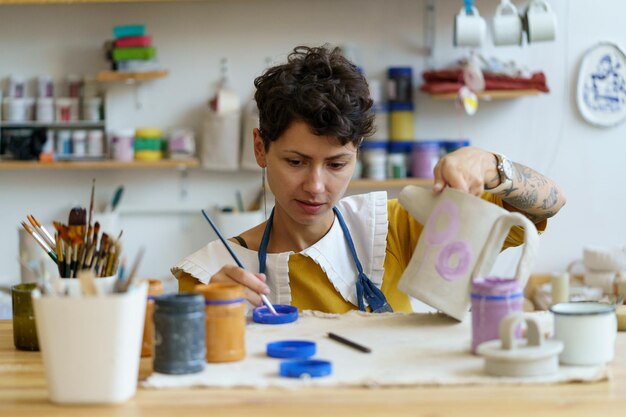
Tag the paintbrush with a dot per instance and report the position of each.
(234, 255)
(77, 222)
(41, 230)
(59, 253)
(94, 242)
(122, 285)
(41, 242)
(93, 189)
(117, 196)
(68, 260)
(75, 249)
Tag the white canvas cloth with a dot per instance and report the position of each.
(407, 350)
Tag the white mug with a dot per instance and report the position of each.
(462, 237)
(469, 29)
(588, 331)
(540, 22)
(507, 25)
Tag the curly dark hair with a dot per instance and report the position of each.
(320, 87)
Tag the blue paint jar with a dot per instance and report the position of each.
(179, 346)
(400, 85)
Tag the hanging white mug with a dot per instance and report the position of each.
(540, 22)
(469, 28)
(507, 25)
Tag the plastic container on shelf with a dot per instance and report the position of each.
(424, 157)
(91, 109)
(95, 143)
(374, 159)
(45, 110)
(401, 121)
(122, 144)
(79, 143)
(398, 159)
(400, 85)
(45, 86)
(64, 143)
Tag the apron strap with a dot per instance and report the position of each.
(365, 288)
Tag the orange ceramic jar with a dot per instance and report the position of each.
(225, 321)
(155, 287)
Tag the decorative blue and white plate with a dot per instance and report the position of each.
(601, 90)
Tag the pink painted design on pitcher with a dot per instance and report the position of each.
(451, 211)
(464, 254)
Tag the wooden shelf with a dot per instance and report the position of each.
(130, 76)
(491, 95)
(9, 2)
(95, 165)
(384, 184)
(60, 125)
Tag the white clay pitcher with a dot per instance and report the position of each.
(462, 237)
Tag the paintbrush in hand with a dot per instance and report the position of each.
(264, 298)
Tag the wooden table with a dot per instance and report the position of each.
(23, 393)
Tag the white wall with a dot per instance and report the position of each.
(544, 132)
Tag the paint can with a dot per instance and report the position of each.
(225, 321)
(122, 145)
(493, 299)
(179, 334)
(424, 157)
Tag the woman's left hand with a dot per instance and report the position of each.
(468, 169)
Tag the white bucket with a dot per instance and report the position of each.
(91, 345)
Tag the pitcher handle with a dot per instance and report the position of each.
(497, 237)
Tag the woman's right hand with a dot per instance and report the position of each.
(254, 284)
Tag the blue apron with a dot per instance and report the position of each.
(365, 288)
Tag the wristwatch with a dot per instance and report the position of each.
(505, 171)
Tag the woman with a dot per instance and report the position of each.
(320, 251)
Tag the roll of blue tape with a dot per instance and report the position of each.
(286, 314)
(308, 367)
(291, 349)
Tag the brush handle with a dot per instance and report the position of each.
(266, 301)
(41, 242)
(224, 241)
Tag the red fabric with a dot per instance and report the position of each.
(450, 80)
(133, 41)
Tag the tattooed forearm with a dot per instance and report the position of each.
(525, 200)
(551, 200)
(533, 194)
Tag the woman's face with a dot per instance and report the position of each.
(307, 173)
